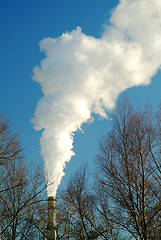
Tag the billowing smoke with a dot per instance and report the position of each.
(82, 75)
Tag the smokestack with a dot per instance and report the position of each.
(51, 221)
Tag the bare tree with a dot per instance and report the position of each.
(78, 213)
(22, 189)
(9, 144)
(19, 203)
(129, 173)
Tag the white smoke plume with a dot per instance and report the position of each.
(82, 75)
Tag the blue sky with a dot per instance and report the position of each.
(23, 25)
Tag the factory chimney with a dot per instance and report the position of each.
(51, 221)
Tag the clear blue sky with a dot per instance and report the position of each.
(23, 24)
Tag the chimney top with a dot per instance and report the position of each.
(51, 199)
